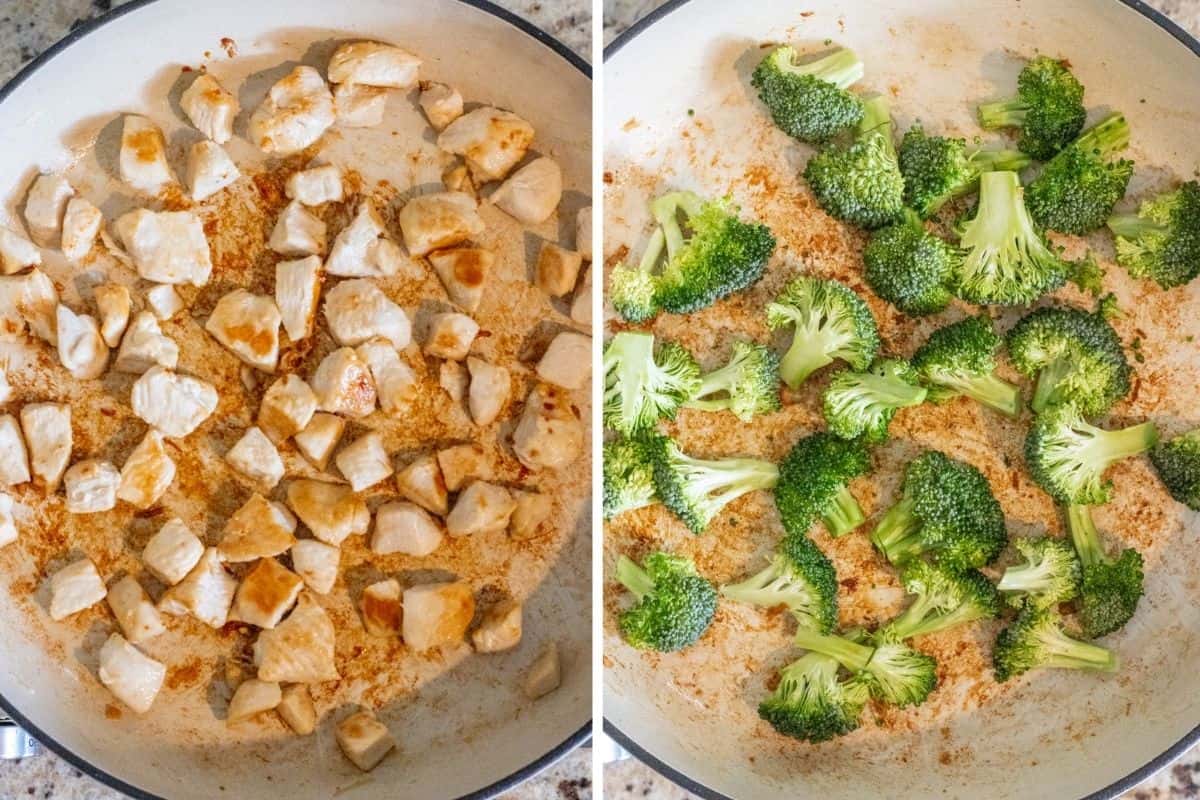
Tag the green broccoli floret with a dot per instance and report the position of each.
(634, 290)
(809, 101)
(910, 267)
(1048, 108)
(1162, 241)
(1079, 187)
(938, 169)
(799, 577)
(811, 704)
(628, 477)
(863, 403)
(640, 387)
(944, 599)
(860, 183)
(747, 385)
(1036, 639)
(1110, 587)
(960, 359)
(1177, 462)
(674, 605)
(1049, 576)
(1007, 260)
(1087, 274)
(814, 483)
(1076, 356)
(1067, 456)
(830, 322)
(893, 671)
(947, 512)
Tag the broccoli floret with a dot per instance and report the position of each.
(634, 290)
(628, 477)
(1076, 356)
(938, 169)
(947, 512)
(1067, 456)
(944, 599)
(747, 385)
(1036, 639)
(1162, 241)
(1087, 274)
(809, 101)
(960, 359)
(863, 403)
(830, 321)
(910, 267)
(674, 605)
(814, 483)
(1048, 108)
(1007, 260)
(893, 671)
(1177, 462)
(1079, 187)
(1049, 576)
(641, 387)
(860, 183)
(799, 577)
(811, 704)
(1110, 587)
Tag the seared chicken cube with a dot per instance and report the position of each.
(81, 347)
(259, 529)
(8, 524)
(167, 247)
(442, 104)
(91, 486)
(174, 404)
(434, 221)
(395, 381)
(380, 607)
(364, 740)
(297, 288)
(144, 345)
(451, 335)
(374, 64)
(114, 303)
(248, 326)
(461, 463)
(300, 649)
(45, 206)
(581, 306)
(296, 709)
(531, 194)
(480, 508)
(463, 272)
(316, 563)
(253, 697)
(173, 552)
(14, 458)
(452, 376)
(296, 112)
(266, 593)
(491, 141)
(134, 611)
(330, 510)
(287, 407)
(358, 310)
(500, 628)
(343, 384)
(404, 528)
(297, 232)
(490, 387)
(36, 301)
(364, 462)
(557, 270)
(209, 170)
(74, 588)
(583, 232)
(210, 108)
(545, 674)
(359, 106)
(164, 301)
(319, 438)
(567, 362)
(458, 179)
(363, 249)
(255, 456)
(316, 185)
(132, 677)
(437, 614)
(16, 252)
(143, 158)
(147, 472)
(80, 226)
(533, 509)
(549, 434)
(206, 592)
(47, 428)
(421, 482)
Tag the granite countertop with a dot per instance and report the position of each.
(27, 27)
(629, 779)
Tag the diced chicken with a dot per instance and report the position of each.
(132, 677)
(296, 112)
(174, 404)
(380, 608)
(80, 226)
(421, 482)
(47, 429)
(359, 106)
(209, 170)
(545, 674)
(143, 159)
(567, 362)
(81, 348)
(451, 335)
(557, 269)
(531, 194)
(364, 740)
(248, 326)
(147, 473)
(364, 249)
(549, 434)
(255, 456)
(581, 306)
(173, 552)
(145, 346)
(16, 252)
(210, 108)
(364, 462)
(296, 709)
(266, 593)
(500, 628)
(206, 592)
(435, 221)
(114, 249)
(8, 523)
(490, 388)
(442, 104)
(480, 508)
(395, 381)
(533, 509)
(135, 613)
(114, 303)
(343, 384)
(297, 289)
(330, 510)
(358, 310)
(300, 649)
(287, 407)
(297, 232)
(491, 141)
(437, 614)
(36, 301)
(74, 588)
(319, 438)
(317, 563)
(458, 179)
(45, 207)
(316, 185)
(164, 301)
(374, 64)
(404, 528)
(463, 272)
(461, 463)
(259, 529)
(583, 232)
(252, 698)
(14, 458)
(91, 486)
(167, 247)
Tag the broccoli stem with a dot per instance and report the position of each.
(635, 353)
(633, 577)
(1132, 226)
(877, 119)
(761, 589)
(895, 526)
(851, 655)
(842, 68)
(844, 514)
(1045, 392)
(1003, 114)
(718, 380)
(804, 357)
(1085, 536)
(1027, 578)
(1000, 160)
(665, 210)
(1060, 650)
(995, 393)
(1106, 137)
(1126, 442)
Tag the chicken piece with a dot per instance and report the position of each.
(533, 509)
(134, 611)
(45, 206)
(16, 252)
(317, 563)
(297, 232)
(435, 221)
(253, 697)
(461, 463)
(331, 511)
(359, 106)
(81, 348)
(91, 486)
(545, 674)
(296, 709)
(266, 593)
(14, 458)
(437, 614)
(210, 108)
(343, 384)
(114, 303)
(481, 508)
(358, 310)
(363, 248)
(47, 429)
(491, 141)
(581, 306)
(319, 438)
(209, 170)
(206, 592)
(490, 388)
(583, 233)
(404, 528)
(380, 608)
(167, 247)
(255, 456)
(500, 628)
(364, 740)
(463, 272)
(300, 649)
(374, 64)
(297, 289)
(395, 381)
(567, 362)
(133, 678)
(364, 462)
(316, 185)
(259, 529)
(174, 404)
(164, 301)
(173, 552)
(80, 226)
(557, 270)
(74, 588)
(531, 194)
(298, 109)
(248, 326)
(147, 473)
(442, 104)
(458, 179)
(287, 407)
(451, 335)
(452, 376)
(549, 434)
(28, 300)
(143, 159)
(421, 482)
(145, 346)
(8, 524)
